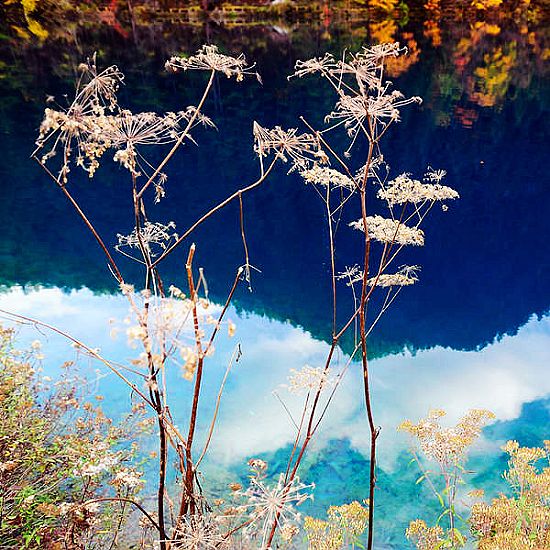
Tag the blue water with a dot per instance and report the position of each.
(474, 332)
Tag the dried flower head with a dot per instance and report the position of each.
(447, 446)
(301, 149)
(199, 532)
(152, 233)
(353, 111)
(351, 518)
(404, 189)
(344, 525)
(72, 128)
(327, 177)
(208, 58)
(424, 537)
(351, 275)
(308, 379)
(258, 466)
(323, 64)
(386, 230)
(129, 478)
(321, 535)
(366, 103)
(406, 276)
(268, 504)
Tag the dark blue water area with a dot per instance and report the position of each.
(474, 332)
(483, 267)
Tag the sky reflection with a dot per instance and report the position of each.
(501, 377)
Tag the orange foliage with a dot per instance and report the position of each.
(396, 66)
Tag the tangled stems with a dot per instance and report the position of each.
(365, 109)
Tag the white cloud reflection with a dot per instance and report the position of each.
(501, 377)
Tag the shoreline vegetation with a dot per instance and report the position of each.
(70, 478)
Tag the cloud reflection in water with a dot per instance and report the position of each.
(501, 377)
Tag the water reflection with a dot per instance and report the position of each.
(484, 79)
(476, 254)
(502, 376)
(508, 377)
(483, 70)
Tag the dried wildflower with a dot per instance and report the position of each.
(191, 359)
(351, 518)
(403, 189)
(435, 176)
(379, 52)
(302, 149)
(126, 288)
(351, 275)
(375, 167)
(98, 461)
(98, 87)
(199, 533)
(73, 128)
(365, 66)
(345, 524)
(447, 446)
(210, 59)
(152, 233)
(136, 333)
(308, 379)
(265, 504)
(327, 177)
(519, 522)
(386, 230)
(522, 472)
(353, 111)
(314, 65)
(406, 276)
(385, 107)
(424, 537)
(126, 477)
(321, 535)
(365, 103)
(289, 531)
(258, 466)
(94, 123)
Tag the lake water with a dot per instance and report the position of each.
(473, 333)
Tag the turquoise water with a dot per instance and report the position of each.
(474, 332)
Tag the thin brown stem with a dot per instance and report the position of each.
(234, 356)
(189, 471)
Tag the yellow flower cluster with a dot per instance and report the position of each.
(424, 537)
(345, 524)
(523, 521)
(447, 445)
